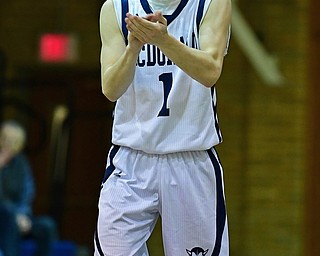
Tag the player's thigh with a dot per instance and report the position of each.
(124, 223)
(193, 209)
(128, 206)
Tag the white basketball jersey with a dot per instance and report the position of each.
(164, 110)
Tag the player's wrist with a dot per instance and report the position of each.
(133, 50)
(166, 42)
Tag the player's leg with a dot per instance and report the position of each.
(193, 208)
(128, 205)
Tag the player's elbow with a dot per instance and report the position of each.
(212, 76)
(109, 95)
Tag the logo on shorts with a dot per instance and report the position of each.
(197, 251)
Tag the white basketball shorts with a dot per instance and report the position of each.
(186, 189)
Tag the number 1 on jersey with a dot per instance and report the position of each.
(167, 80)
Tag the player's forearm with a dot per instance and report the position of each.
(117, 78)
(198, 64)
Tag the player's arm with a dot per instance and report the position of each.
(204, 65)
(117, 60)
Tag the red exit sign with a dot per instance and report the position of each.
(56, 47)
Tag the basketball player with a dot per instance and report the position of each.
(160, 61)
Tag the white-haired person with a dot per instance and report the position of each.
(17, 192)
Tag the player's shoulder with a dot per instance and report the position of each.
(220, 5)
(111, 6)
(107, 6)
(218, 10)
(107, 12)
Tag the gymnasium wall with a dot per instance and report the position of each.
(264, 127)
(265, 134)
(312, 222)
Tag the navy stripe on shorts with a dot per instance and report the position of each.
(221, 208)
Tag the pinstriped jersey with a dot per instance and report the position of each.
(164, 110)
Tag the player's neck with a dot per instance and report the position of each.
(167, 7)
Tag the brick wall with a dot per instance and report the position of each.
(312, 222)
(264, 127)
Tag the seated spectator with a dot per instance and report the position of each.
(16, 194)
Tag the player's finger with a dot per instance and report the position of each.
(138, 36)
(140, 23)
(160, 18)
(133, 27)
(151, 17)
(136, 32)
(139, 31)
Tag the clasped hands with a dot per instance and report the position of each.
(150, 29)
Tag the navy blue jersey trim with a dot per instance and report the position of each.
(111, 167)
(200, 13)
(124, 11)
(216, 123)
(221, 208)
(146, 7)
(170, 18)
